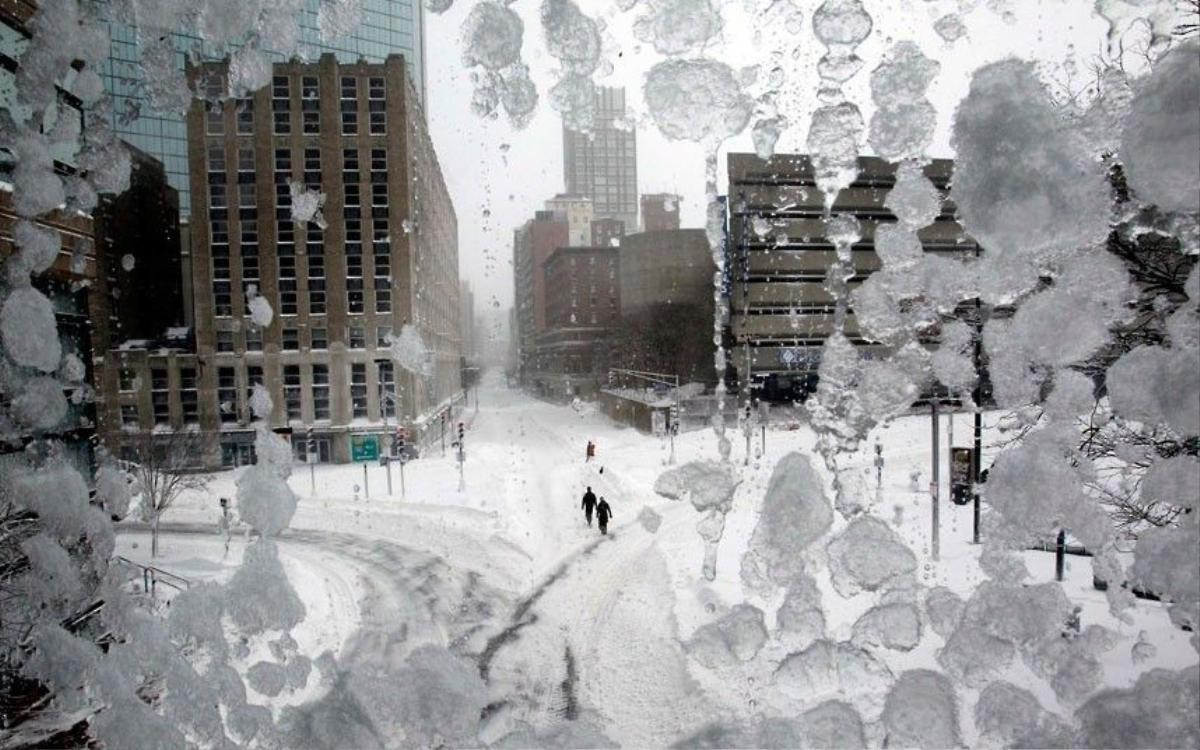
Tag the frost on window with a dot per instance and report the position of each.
(814, 608)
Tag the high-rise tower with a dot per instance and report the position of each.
(388, 27)
(602, 164)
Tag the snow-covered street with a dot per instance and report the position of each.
(579, 638)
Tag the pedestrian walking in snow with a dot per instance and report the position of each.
(878, 465)
(225, 525)
(591, 451)
(603, 513)
(589, 505)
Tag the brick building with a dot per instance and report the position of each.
(532, 244)
(660, 212)
(583, 304)
(387, 259)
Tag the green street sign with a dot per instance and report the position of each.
(364, 448)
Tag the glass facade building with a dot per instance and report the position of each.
(602, 164)
(387, 27)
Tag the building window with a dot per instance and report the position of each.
(350, 163)
(383, 294)
(160, 396)
(291, 339)
(216, 159)
(254, 338)
(247, 207)
(378, 123)
(387, 387)
(310, 88)
(129, 416)
(349, 118)
(283, 122)
(214, 119)
(245, 117)
(224, 341)
(320, 339)
(316, 281)
(222, 299)
(254, 376)
(283, 164)
(189, 395)
(379, 195)
(312, 122)
(127, 379)
(354, 277)
(227, 394)
(358, 337)
(217, 197)
(349, 87)
(378, 160)
(353, 195)
(358, 390)
(375, 88)
(383, 335)
(246, 163)
(281, 88)
(291, 391)
(320, 391)
(288, 298)
(312, 165)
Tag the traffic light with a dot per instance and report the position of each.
(401, 439)
(460, 431)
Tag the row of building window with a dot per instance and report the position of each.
(318, 339)
(227, 393)
(310, 112)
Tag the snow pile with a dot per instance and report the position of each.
(1052, 200)
(895, 626)
(1162, 133)
(260, 309)
(921, 711)
(409, 351)
(29, 330)
(736, 637)
(696, 100)
(867, 555)
(903, 122)
(40, 405)
(491, 38)
(574, 40)
(1012, 717)
(679, 27)
(1161, 710)
(829, 669)
(801, 613)
(709, 485)
(38, 249)
(306, 205)
(795, 513)
(1157, 386)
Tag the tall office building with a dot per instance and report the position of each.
(339, 293)
(602, 164)
(388, 27)
(781, 310)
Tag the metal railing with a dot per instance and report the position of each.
(153, 575)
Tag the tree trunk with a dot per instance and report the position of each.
(154, 537)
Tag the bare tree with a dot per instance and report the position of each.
(165, 466)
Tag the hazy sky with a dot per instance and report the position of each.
(494, 190)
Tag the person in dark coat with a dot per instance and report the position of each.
(603, 513)
(591, 451)
(589, 504)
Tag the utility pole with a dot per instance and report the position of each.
(934, 542)
(462, 458)
(977, 454)
(383, 413)
(402, 436)
(443, 433)
(366, 487)
(311, 446)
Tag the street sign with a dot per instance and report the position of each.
(364, 448)
(658, 423)
(961, 462)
